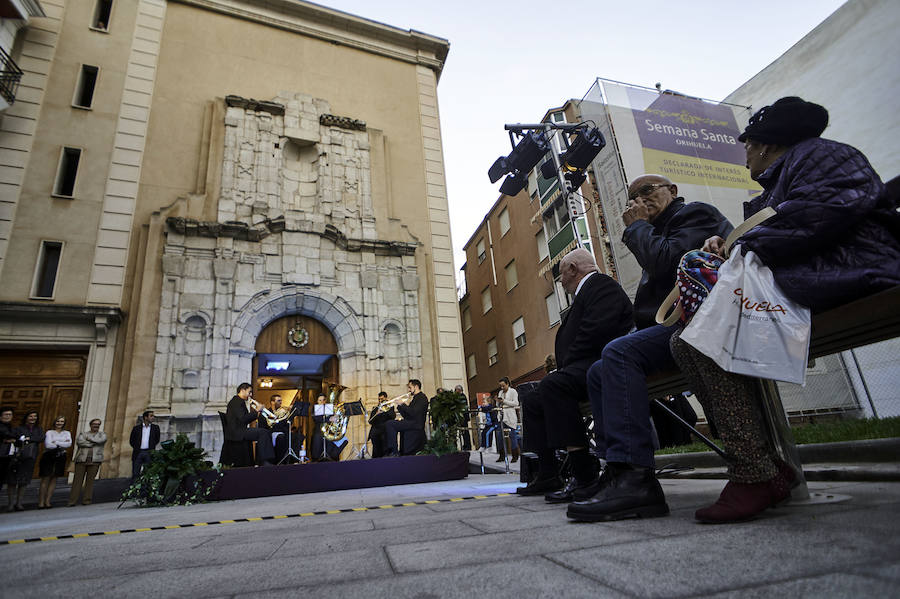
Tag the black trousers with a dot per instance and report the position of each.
(551, 418)
(265, 452)
(139, 459)
(376, 436)
(403, 427)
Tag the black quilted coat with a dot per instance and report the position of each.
(836, 236)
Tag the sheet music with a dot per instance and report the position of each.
(323, 410)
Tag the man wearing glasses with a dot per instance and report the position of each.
(659, 229)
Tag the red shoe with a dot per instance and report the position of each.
(740, 502)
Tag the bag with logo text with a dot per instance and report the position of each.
(748, 326)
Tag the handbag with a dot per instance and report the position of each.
(697, 273)
(748, 326)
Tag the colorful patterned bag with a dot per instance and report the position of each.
(697, 272)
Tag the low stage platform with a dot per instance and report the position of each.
(244, 483)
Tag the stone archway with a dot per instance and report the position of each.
(266, 306)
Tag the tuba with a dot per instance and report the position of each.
(335, 427)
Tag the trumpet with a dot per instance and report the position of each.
(388, 404)
(264, 411)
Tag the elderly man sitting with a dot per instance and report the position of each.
(551, 419)
(659, 229)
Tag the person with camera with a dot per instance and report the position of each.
(28, 437)
(7, 442)
(53, 460)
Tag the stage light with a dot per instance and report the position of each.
(524, 157)
(582, 150)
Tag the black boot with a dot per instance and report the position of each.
(626, 493)
(541, 486)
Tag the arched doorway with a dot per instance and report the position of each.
(296, 358)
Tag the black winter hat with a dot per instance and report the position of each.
(786, 122)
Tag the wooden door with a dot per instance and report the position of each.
(49, 383)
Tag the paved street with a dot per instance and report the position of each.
(502, 546)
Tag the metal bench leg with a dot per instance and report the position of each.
(699, 435)
(780, 435)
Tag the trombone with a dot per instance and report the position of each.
(388, 404)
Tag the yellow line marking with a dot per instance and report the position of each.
(254, 519)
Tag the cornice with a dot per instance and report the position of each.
(336, 27)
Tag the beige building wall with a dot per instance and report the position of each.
(152, 148)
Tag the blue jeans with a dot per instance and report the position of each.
(513, 438)
(617, 389)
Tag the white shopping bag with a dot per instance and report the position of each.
(748, 326)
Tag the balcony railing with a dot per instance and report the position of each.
(10, 75)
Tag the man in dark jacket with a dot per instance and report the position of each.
(143, 440)
(552, 420)
(412, 427)
(241, 411)
(659, 229)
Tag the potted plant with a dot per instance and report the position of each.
(177, 474)
(448, 410)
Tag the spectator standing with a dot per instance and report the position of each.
(508, 401)
(28, 437)
(88, 457)
(464, 431)
(143, 441)
(53, 461)
(7, 442)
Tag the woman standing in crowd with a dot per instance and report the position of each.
(835, 238)
(88, 456)
(7, 442)
(28, 437)
(53, 461)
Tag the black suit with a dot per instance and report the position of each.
(141, 457)
(281, 442)
(237, 417)
(412, 427)
(600, 313)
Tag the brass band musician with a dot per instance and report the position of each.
(281, 423)
(412, 426)
(377, 419)
(241, 411)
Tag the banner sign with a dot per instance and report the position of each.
(689, 140)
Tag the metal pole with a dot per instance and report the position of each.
(564, 187)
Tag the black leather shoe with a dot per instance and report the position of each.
(575, 491)
(540, 486)
(623, 494)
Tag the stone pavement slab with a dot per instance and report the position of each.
(506, 546)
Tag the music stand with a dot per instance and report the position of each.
(355, 408)
(324, 410)
(297, 409)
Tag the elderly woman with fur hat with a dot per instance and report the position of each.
(835, 238)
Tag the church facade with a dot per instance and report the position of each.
(251, 181)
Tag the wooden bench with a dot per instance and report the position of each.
(868, 320)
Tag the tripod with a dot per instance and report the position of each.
(356, 408)
(290, 452)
